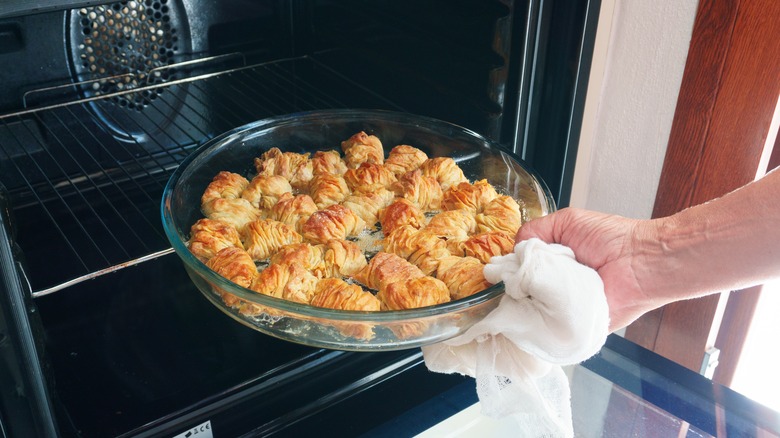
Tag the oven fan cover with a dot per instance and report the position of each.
(126, 45)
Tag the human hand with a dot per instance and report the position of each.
(612, 245)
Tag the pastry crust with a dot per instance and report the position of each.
(501, 214)
(209, 236)
(296, 168)
(237, 212)
(419, 247)
(400, 212)
(452, 224)
(464, 276)
(414, 293)
(311, 257)
(386, 268)
(362, 148)
(369, 177)
(225, 185)
(472, 197)
(293, 210)
(235, 265)
(342, 258)
(333, 222)
(404, 158)
(328, 189)
(445, 170)
(264, 190)
(263, 237)
(424, 191)
(328, 162)
(334, 293)
(485, 245)
(287, 281)
(368, 205)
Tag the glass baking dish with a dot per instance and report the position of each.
(234, 151)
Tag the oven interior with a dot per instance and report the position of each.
(101, 101)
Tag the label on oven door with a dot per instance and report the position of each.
(202, 430)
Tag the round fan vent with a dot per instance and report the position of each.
(118, 47)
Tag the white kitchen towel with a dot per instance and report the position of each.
(554, 313)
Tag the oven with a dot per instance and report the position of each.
(101, 331)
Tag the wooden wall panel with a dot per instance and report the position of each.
(727, 99)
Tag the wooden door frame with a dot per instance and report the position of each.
(718, 142)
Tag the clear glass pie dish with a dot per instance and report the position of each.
(234, 151)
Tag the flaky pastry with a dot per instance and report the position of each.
(328, 162)
(369, 177)
(500, 214)
(293, 210)
(311, 257)
(334, 293)
(296, 168)
(237, 212)
(421, 248)
(225, 185)
(473, 197)
(400, 212)
(208, 236)
(342, 258)
(463, 276)
(236, 265)
(424, 191)
(332, 222)
(328, 189)
(414, 293)
(263, 237)
(452, 224)
(368, 204)
(445, 170)
(404, 158)
(264, 190)
(386, 268)
(485, 245)
(362, 148)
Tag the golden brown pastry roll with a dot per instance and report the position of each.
(400, 212)
(368, 205)
(263, 237)
(264, 190)
(208, 236)
(328, 189)
(332, 222)
(328, 162)
(473, 197)
(424, 191)
(295, 167)
(501, 214)
(235, 265)
(369, 177)
(419, 247)
(311, 257)
(414, 293)
(289, 281)
(334, 293)
(485, 245)
(237, 212)
(463, 276)
(445, 170)
(404, 158)
(385, 268)
(293, 210)
(342, 258)
(452, 224)
(362, 148)
(225, 185)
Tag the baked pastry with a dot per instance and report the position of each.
(298, 212)
(293, 210)
(367, 205)
(328, 162)
(413, 293)
(225, 185)
(472, 197)
(452, 224)
(400, 212)
(335, 293)
(333, 222)
(445, 170)
(237, 212)
(485, 245)
(423, 191)
(463, 276)
(328, 189)
(311, 257)
(362, 148)
(342, 258)
(501, 214)
(264, 190)
(209, 236)
(263, 237)
(404, 158)
(386, 268)
(421, 248)
(236, 265)
(369, 177)
(296, 168)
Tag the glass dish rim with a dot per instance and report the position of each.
(307, 310)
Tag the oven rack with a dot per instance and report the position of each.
(85, 177)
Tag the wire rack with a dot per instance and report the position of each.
(86, 175)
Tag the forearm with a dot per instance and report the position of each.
(727, 244)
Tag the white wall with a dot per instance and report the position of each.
(640, 53)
